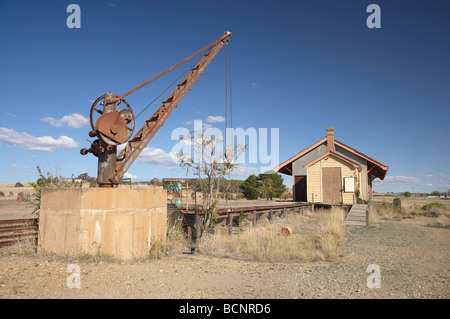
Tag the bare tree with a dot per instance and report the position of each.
(211, 163)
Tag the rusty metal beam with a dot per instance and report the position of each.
(237, 209)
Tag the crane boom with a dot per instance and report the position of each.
(112, 168)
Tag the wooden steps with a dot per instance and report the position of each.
(357, 216)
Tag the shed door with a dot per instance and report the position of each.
(300, 188)
(331, 185)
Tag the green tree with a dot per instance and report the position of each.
(155, 181)
(266, 188)
(249, 187)
(271, 185)
(86, 178)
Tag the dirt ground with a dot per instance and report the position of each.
(413, 260)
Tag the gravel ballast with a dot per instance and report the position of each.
(413, 262)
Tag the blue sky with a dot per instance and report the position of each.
(299, 66)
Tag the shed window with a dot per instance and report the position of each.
(349, 184)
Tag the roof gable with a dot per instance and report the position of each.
(286, 167)
(332, 154)
(375, 168)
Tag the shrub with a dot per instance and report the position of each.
(397, 204)
(430, 206)
(43, 182)
(172, 243)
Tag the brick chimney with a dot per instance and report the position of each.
(330, 139)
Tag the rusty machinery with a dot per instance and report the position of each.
(113, 122)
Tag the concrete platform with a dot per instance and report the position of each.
(120, 222)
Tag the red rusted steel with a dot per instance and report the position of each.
(137, 144)
(21, 221)
(175, 66)
(238, 209)
(107, 158)
(112, 127)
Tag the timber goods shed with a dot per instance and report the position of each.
(330, 172)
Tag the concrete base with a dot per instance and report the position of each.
(120, 222)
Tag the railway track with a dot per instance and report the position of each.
(13, 231)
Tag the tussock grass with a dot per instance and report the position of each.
(438, 214)
(23, 247)
(315, 237)
(27, 247)
(172, 243)
(384, 211)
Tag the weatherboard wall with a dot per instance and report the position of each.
(314, 179)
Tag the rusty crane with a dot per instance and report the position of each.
(116, 122)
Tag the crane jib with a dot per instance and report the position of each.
(112, 167)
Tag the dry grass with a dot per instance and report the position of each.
(423, 211)
(315, 237)
(23, 247)
(173, 242)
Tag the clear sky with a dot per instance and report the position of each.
(299, 66)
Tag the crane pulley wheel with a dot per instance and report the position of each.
(115, 127)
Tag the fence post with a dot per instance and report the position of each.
(368, 214)
(230, 224)
(254, 218)
(367, 217)
(197, 227)
(189, 235)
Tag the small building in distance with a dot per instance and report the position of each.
(331, 172)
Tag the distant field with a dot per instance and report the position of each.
(12, 209)
(419, 211)
(413, 202)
